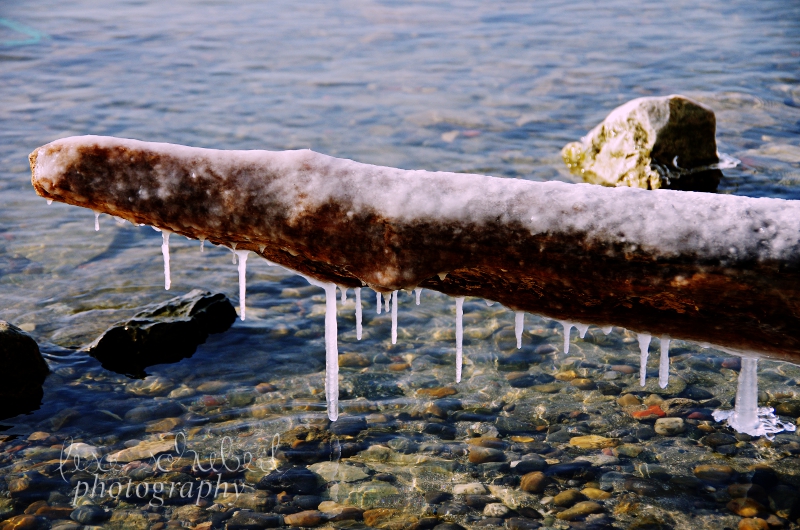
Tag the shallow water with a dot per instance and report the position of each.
(464, 86)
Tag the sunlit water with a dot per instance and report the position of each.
(470, 86)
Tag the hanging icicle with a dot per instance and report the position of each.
(644, 347)
(202, 245)
(344, 293)
(386, 302)
(567, 328)
(747, 417)
(663, 367)
(394, 317)
(582, 329)
(380, 304)
(242, 280)
(358, 313)
(165, 253)
(417, 292)
(96, 221)
(519, 319)
(331, 347)
(459, 336)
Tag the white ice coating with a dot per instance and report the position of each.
(567, 325)
(417, 292)
(644, 346)
(242, 280)
(331, 347)
(582, 329)
(165, 253)
(519, 319)
(380, 304)
(607, 329)
(489, 303)
(96, 221)
(394, 317)
(663, 366)
(706, 225)
(49, 202)
(358, 313)
(747, 416)
(386, 302)
(459, 335)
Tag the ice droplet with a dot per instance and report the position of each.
(394, 317)
(96, 221)
(358, 313)
(49, 202)
(165, 253)
(242, 280)
(519, 319)
(380, 304)
(567, 328)
(459, 336)
(663, 367)
(417, 292)
(644, 346)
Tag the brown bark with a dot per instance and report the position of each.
(747, 300)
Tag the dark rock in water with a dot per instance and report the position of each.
(297, 480)
(437, 497)
(24, 370)
(163, 333)
(251, 520)
(577, 470)
(651, 143)
(507, 426)
(348, 426)
(89, 514)
(521, 523)
(696, 393)
(376, 386)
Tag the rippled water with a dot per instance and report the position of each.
(463, 86)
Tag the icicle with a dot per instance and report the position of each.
(459, 335)
(120, 221)
(380, 304)
(489, 303)
(386, 302)
(344, 293)
(417, 292)
(747, 416)
(663, 367)
(331, 348)
(582, 329)
(567, 328)
(358, 313)
(519, 318)
(202, 244)
(49, 202)
(165, 252)
(261, 248)
(96, 221)
(233, 249)
(606, 329)
(394, 317)
(644, 346)
(242, 280)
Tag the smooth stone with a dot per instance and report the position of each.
(579, 510)
(307, 518)
(339, 512)
(338, 471)
(296, 480)
(449, 526)
(473, 488)
(437, 497)
(715, 439)
(592, 441)
(534, 482)
(567, 498)
(496, 509)
(755, 523)
(348, 425)
(376, 386)
(628, 400)
(89, 514)
(165, 425)
(378, 515)
(243, 520)
(145, 414)
(150, 386)
(480, 455)
(583, 383)
(142, 451)
(513, 498)
(669, 426)
(25, 522)
(746, 507)
(631, 145)
(371, 494)
(596, 494)
(628, 450)
(521, 523)
(354, 360)
(128, 520)
(714, 473)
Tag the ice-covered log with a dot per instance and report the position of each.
(715, 268)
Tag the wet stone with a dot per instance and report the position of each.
(89, 514)
(308, 518)
(249, 520)
(567, 498)
(297, 480)
(581, 509)
(480, 455)
(714, 473)
(746, 507)
(521, 523)
(754, 523)
(348, 426)
(437, 497)
(376, 386)
(496, 509)
(448, 526)
(473, 488)
(669, 426)
(144, 414)
(644, 487)
(534, 482)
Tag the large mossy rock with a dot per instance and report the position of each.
(651, 143)
(24, 370)
(163, 333)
